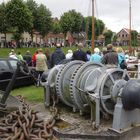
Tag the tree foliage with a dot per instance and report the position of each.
(19, 16)
(3, 20)
(71, 21)
(56, 28)
(98, 27)
(32, 6)
(4, 25)
(134, 39)
(108, 37)
(43, 20)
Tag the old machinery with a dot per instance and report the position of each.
(93, 87)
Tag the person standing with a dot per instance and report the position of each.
(88, 52)
(34, 58)
(96, 56)
(111, 57)
(28, 58)
(12, 54)
(41, 63)
(47, 53)
(19, 56)
(104, 51)
(69, 54)
(57, 56)
(121, 58)
(79, 54)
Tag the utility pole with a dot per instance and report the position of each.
(130, 47)
(93, 37)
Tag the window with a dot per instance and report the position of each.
(4, 65)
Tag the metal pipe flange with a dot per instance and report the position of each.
(63, 82)
(106, 82)
(77, 78)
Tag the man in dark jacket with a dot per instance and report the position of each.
(57, 56)
(79, 54)
(28, 58)
(111, 57)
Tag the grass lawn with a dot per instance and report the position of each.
(30, 93)
(4, 52)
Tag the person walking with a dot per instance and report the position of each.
(57, 56)
(79, 54)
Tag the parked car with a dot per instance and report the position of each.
(7, 69)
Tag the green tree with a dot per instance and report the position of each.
(19, 17)
(56, 28)
(108, 37)
(71, 21)
(88, 27)
(134, 35)
(32, 5)
(4, 25)
(98, 26)
(43, 20)
(114, 38)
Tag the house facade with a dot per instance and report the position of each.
(65, 40)
(52, 39)
(26, 37)
(123, 37)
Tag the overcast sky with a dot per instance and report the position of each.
(114, 13)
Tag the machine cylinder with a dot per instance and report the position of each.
(131, 95)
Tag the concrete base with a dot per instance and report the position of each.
(72, 126)
(12, 103)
